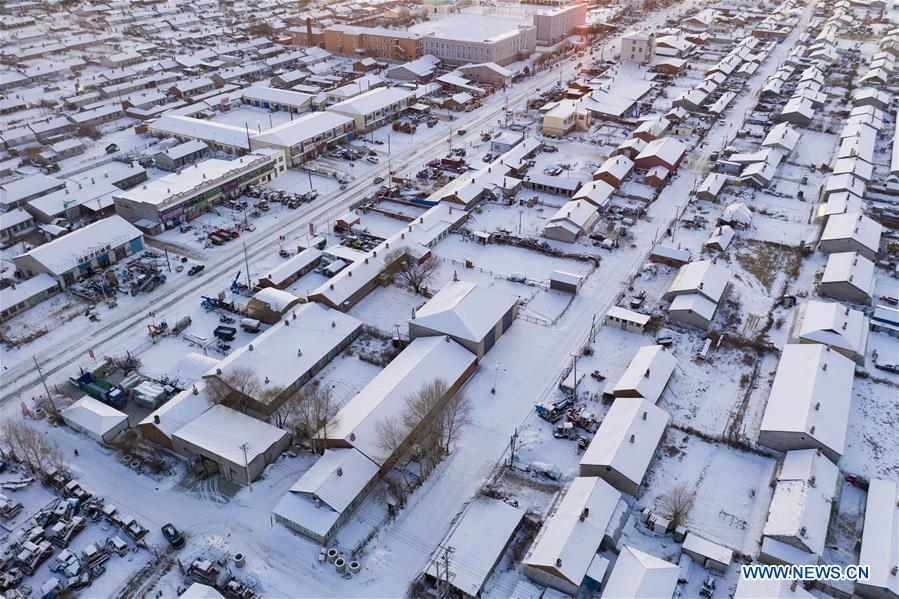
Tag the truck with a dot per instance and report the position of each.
(225, 333)
(100, 389)
(552, 412)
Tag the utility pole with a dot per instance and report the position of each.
(444, 581)
(574, 360)
(246, 262)
(246, 466)
(44, 383)
(167, 263)
(512, 443)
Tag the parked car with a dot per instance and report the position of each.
(372, 159)
(173, 535)
(195, 269)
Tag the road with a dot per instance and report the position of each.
(22, 379)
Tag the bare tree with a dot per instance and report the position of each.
(31, 447)
(454, 415)
(392, 434)
(234, 388)
(677, 503)
(317, 412)
(417, 275)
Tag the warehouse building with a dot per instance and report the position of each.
(83, 251)
(463, 39)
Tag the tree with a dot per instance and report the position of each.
(317, 414)
(28, 445)
(234, 389)
(677, 503)
(417, 275)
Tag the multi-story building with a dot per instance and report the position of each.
(374, 108)
(555, 25)
(304, 137)
(177, 198)
(638, 47)
(377, 42)
(464, 39)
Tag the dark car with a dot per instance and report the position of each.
(196, 268)
(173, 535)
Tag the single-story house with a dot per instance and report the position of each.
(851, 232)
(808, 406)
(848, 276)
(880, 541)
(573, 219)
(640, 575)
(97, 420)
(624, 445)
(648, 374)
(628, 320)
(271, 304)
(473, 316)
(842, 329)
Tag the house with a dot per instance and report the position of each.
(851, 232)
(848, 276)
(289, 272)
(97, 420)
(419, 70)
(162, 423)
(808, 406)
(270, 304)
(639, 575)
(753, 588)
(651, 129)
(638, 47)
(479, 540)
(696, 292)
(189, 370)
(627, 320)
(285, 356)
(831, 324)
(586, 515)
(557, 185)
(736, 214)
(720, 238)
(237, 446)
(781, 137)
(647, 375)
(885, 320)
(623, 447)
(16, 193)
(20, 296)
(669, 256)
(707, 553)
(374, 108)
(14, 223)
(180, 155)
(489, 73)
(657, 176)
(666, 152)
(880, 541)
(573, 219)
(800, 508)
(306, 136)
(424, 361)
(83, 251)
(614, 170)
(562, 117)
(473, 316)
(597, 193)
(327, 494)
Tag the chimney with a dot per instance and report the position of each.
(811, 480)
(339, 471)
(155, 419)
(308, 31)
(818, 406)
(299, 352)
(218, 371)
(646, 374)
(633, 437)
(558, 562)
(250, 347)
(287, 323)
(645, 415)
(585, 513)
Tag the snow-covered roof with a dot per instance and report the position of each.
(14, 217)
(720, 237)
(565, 537)
(853, 225)
(372, 101)
(13, 192)
(26, 289)
(94, 416)
(639, 575)
(289, 349)
(293, 265)
(753, 588)
(336, 479)
(464, 310)
(209, 131)
(190, 368)
(629, 315)
(278, 96)
(185, 149)
(704, 277)
(832, 324)
(424, 360)
(800, 507)
(666, 149)
(578, 213)
(200, 591)
(647, 374)
(226, 433)
(617, 166)
(302, 129)
(810, 395)
(850, 267)
(627, 438)
(65, 253)
(880, 536)
(479, 540)
(179, 410)
(276, 299)
(706, 548)
(736, 213)
(599, 193)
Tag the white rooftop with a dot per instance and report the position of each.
(639, 575)
(647, 374)
(225, 433)
(464, 310)
(94, 416)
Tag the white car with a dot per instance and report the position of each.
(372, 159)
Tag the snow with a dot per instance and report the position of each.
(640, 575)
(880, 539)
(95, 418)
(647, 375)
(626, 440)
(230, 435)
(464, 310)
